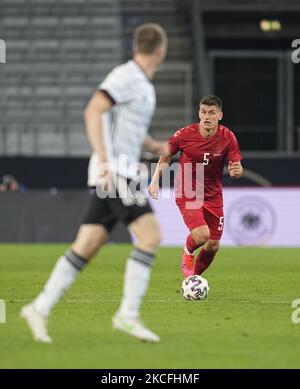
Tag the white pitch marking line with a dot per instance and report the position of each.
(89, 301)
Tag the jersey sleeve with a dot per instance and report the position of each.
(117, 86)
(175, 141)
(234, 154)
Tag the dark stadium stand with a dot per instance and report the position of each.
(174, 82)
(58, 52)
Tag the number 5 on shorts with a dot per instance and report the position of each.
(221, 223)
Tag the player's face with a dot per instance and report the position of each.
(209, 116)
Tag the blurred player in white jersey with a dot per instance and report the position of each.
(117, 119)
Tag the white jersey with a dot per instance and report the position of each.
(126, 125)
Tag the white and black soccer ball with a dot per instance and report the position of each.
(195, 288)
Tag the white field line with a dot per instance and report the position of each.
(96, 301)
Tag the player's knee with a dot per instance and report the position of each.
(151, 240)
(87, 248)
(212, 247)
(89, 239)
(200, 235)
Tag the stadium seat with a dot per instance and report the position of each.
(59, 51)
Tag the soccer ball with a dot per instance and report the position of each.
(195, 288)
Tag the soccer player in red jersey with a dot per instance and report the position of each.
(210, 144)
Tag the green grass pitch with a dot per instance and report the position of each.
(245, 323)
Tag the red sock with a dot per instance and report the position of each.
(191, 245)
(204, 259)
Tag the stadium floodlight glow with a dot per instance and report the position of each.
(267, 25)
(276, 25)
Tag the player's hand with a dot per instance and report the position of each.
(235, 169)
(153, 190)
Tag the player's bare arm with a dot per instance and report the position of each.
(98, 104)
(154, 146)
(162, 165)
(235, 169)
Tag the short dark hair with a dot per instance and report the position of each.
(148, 37)
(212, 100)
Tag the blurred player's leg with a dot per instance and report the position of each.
(87, 243)
(137, 276)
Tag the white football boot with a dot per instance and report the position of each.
(37, 323)
(134, 327)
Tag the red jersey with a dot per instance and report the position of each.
(211, 152)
